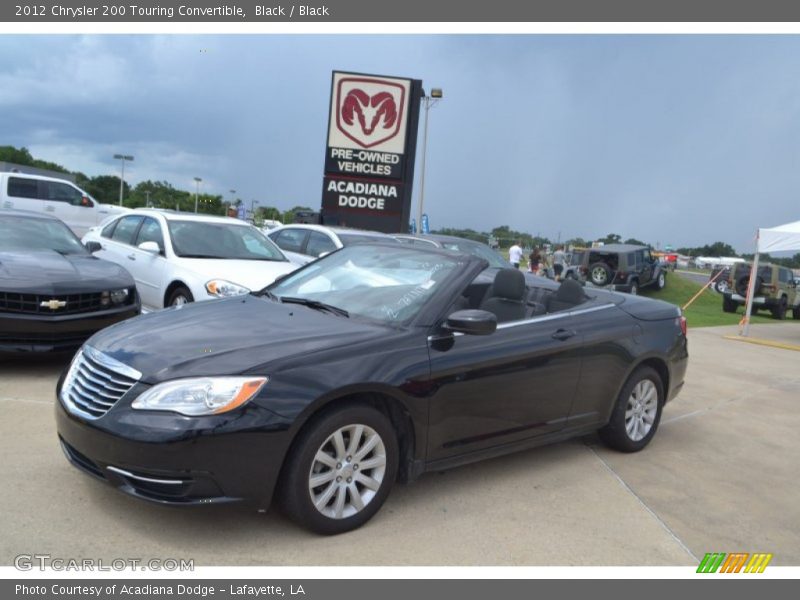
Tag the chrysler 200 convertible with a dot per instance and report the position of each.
(373, 364)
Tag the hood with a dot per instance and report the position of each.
(48, 272)
(252, 274)
(225, 337)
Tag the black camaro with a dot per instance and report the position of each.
(373, 364)
(53, 293)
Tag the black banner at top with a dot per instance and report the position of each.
(364, 11)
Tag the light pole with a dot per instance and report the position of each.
(197, 182)
(428, 102)
(123, 158)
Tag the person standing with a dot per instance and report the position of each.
(559, 262)
(515, 254)
(534, 260)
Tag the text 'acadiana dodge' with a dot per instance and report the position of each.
(359, 194)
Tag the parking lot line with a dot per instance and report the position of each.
(761, 342)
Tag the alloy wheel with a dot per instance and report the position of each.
(641, 411)
(347, 471)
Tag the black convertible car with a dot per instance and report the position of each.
(53, 293)
(373, 364)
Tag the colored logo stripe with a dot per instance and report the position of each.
(734, 562)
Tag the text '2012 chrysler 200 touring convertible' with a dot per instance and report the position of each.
(372, 364)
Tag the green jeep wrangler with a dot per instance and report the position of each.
(775, 289)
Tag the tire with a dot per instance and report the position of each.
(741, 285)
(661, 281)
(634, 291)
(179, 296)
(346, 503)
(728, 305)
(637, 412)
(600, 274)
(779, 311)
(721, 286)
(796, 312)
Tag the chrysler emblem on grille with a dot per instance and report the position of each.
(53, 304)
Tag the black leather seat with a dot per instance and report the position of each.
(506, 296)
(568, 295)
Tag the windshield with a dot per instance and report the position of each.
(200, 239)
(21, 233)
(479, 250)
(369, 282)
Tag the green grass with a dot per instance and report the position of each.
(706, 310)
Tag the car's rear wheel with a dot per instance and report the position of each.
(340, 470)
(634, 288)
(744, 281)
(180, 296)
(600, 274)
(779, 311)
(796, 312)
(728, 305)
(637, 412)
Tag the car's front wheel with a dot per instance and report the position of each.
(634, 291)
(180, 296)
(637, 412)
(661, 280)
(341, 469)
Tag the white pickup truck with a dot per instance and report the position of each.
(57, 197)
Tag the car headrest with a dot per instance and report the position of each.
(570, 291)
(510, 284)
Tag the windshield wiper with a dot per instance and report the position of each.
(265, 292)
(316, 304)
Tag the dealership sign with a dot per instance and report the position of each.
(369, 160)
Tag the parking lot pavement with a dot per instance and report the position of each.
(720, 475)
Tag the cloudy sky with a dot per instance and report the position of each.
(680, 140)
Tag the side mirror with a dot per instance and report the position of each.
(93, 246)
(471, 322)
(150, 247)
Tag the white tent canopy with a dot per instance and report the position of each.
(777, 239)
(781, 238)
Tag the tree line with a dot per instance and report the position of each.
(162, 194)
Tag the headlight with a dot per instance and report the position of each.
(119, 296)
(224, 289)
(200, 396)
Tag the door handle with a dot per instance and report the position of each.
(564, 334)
(131, 257)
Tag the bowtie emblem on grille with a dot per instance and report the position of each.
(53, 304)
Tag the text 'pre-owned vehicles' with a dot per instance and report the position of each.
(56, 197)
(53, 293)
(177, 258)
(372, 364)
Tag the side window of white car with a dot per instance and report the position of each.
(20, 187)
(126, 229)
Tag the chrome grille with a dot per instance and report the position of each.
(95, 382)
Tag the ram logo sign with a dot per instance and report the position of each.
(735, 562)
(367, 118)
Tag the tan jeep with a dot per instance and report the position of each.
(775, 289)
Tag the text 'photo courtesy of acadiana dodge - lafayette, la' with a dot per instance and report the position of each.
(324, 307)
(155, 589)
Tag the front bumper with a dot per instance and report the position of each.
(20, 332)
(171, 459)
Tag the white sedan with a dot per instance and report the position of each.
(177, 258)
